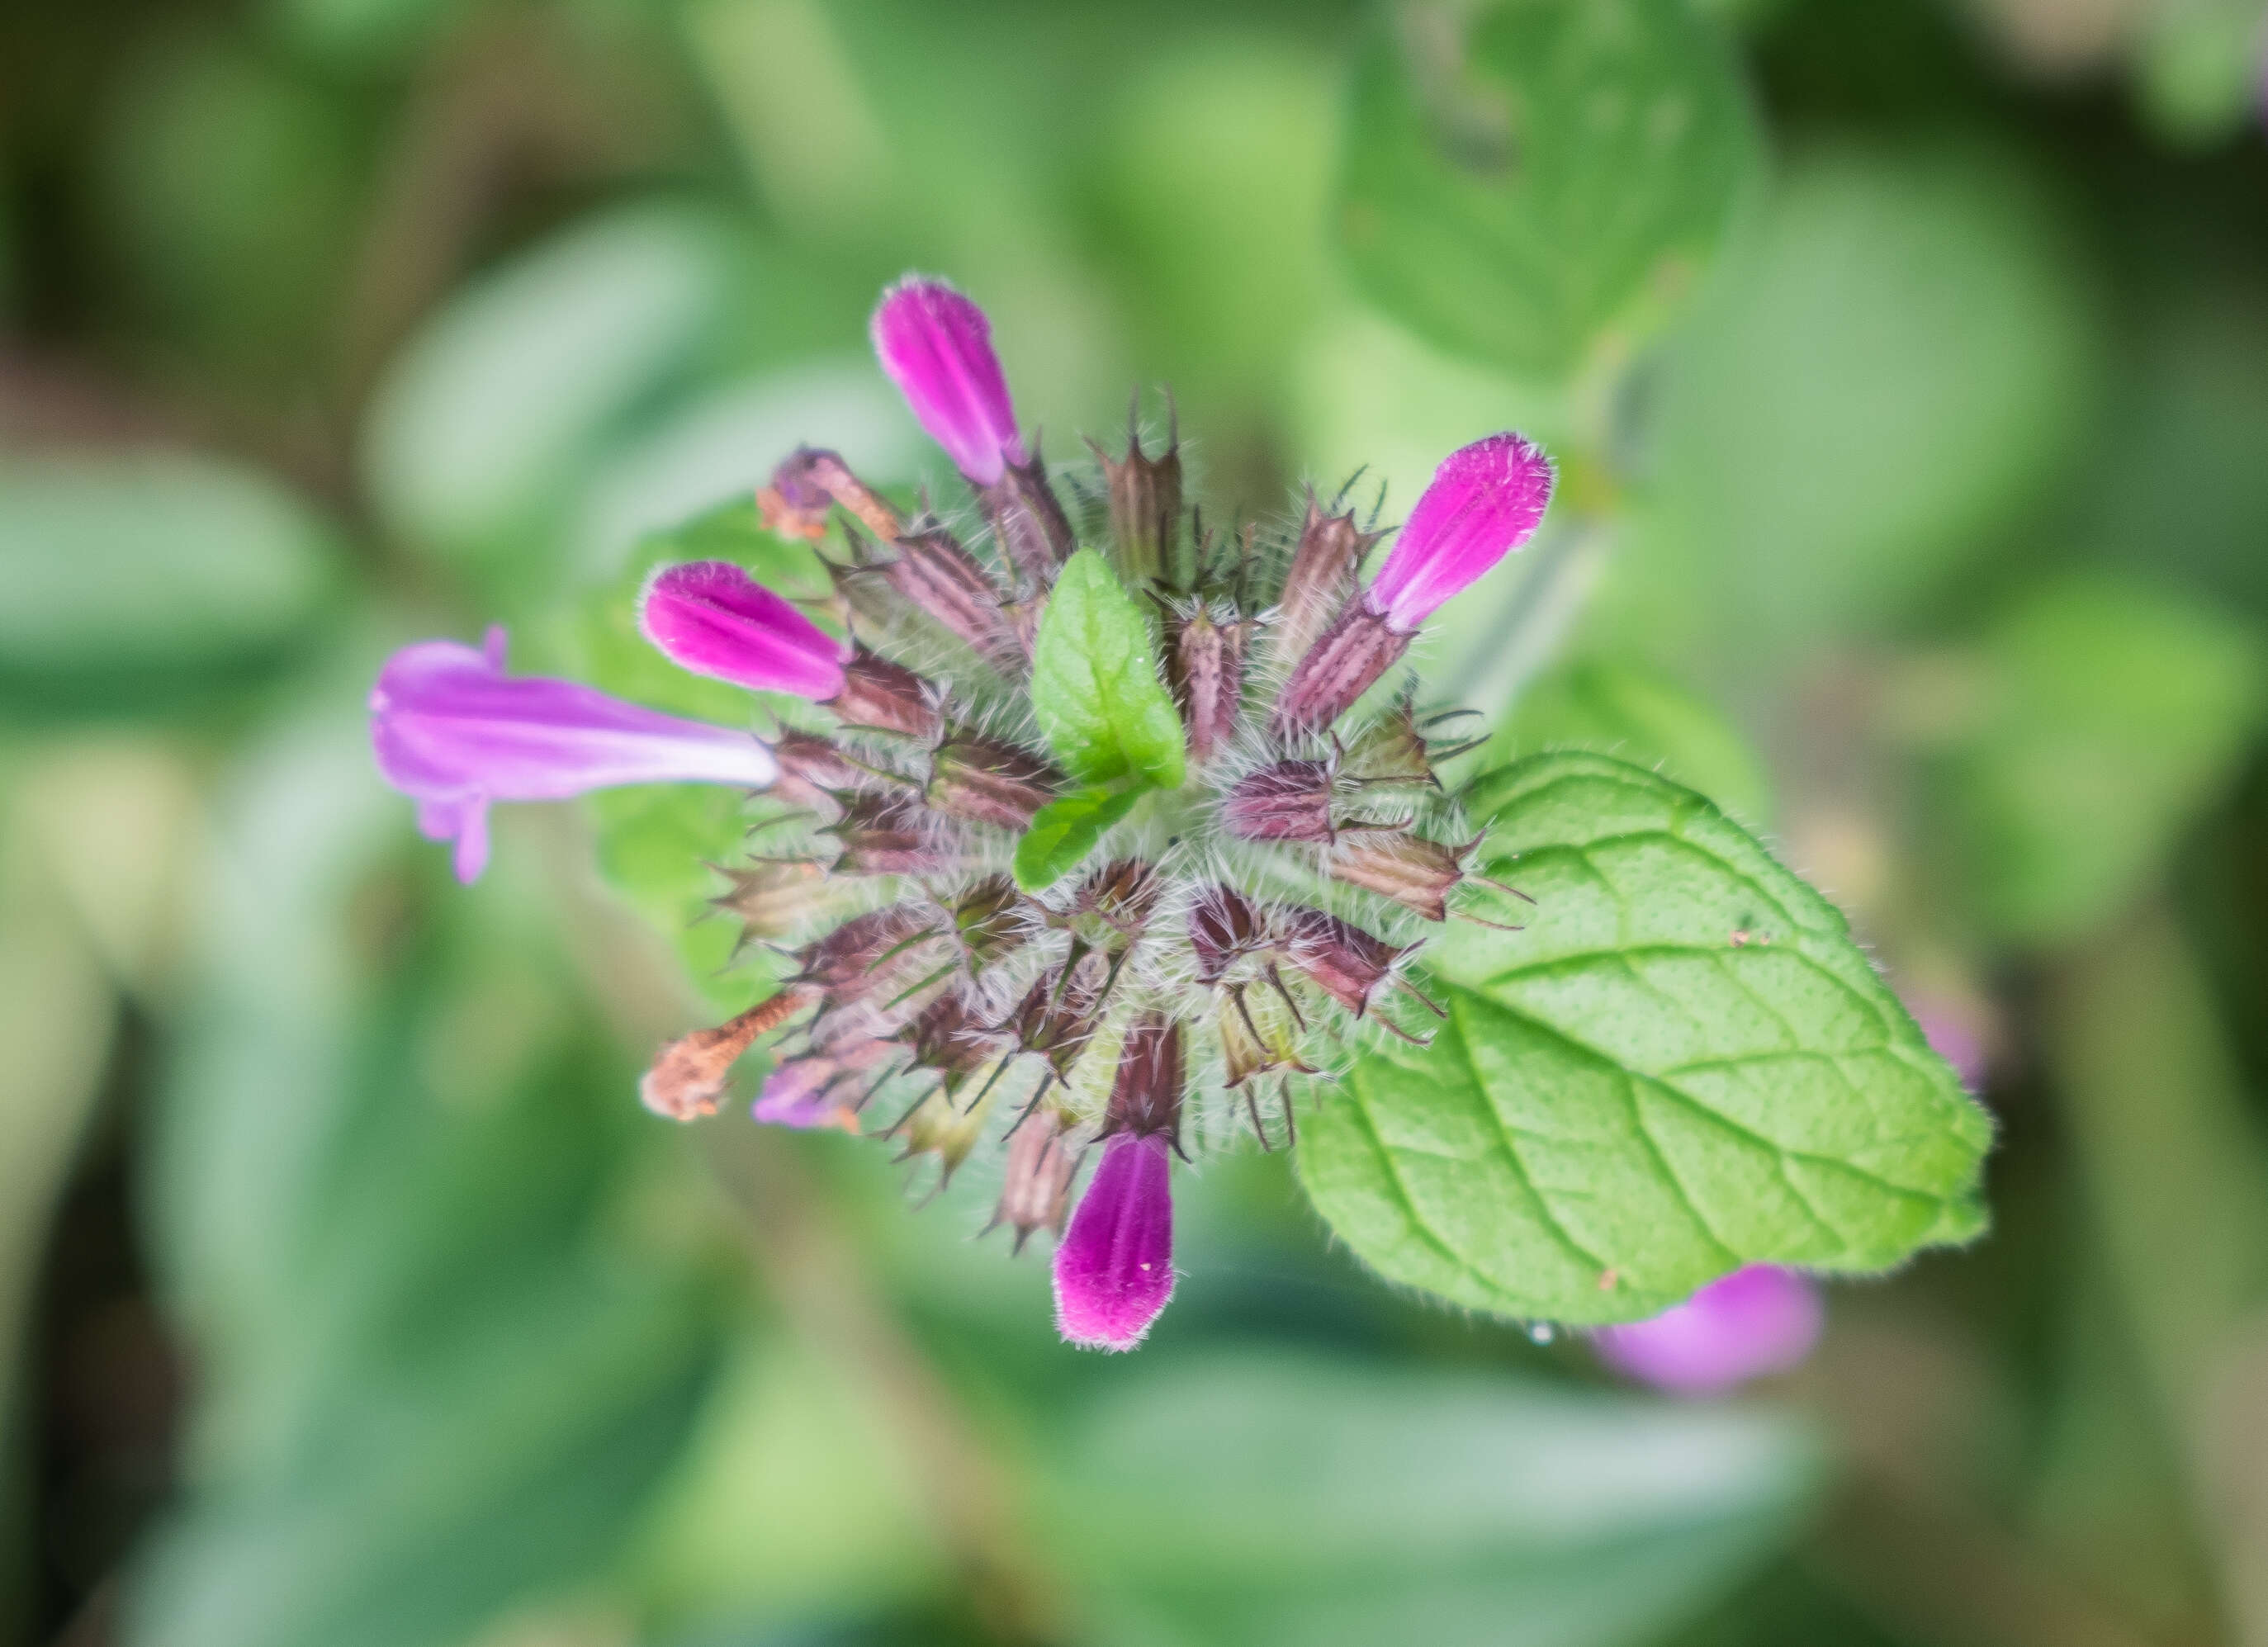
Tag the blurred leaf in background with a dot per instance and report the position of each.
(1526, 180)
(2111, 715)
(440, 1371)
(143, 584)
(1286, 1498)
(1891, 372)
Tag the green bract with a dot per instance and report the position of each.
(1094, 681)
(1682, 1064)
(1067, 831)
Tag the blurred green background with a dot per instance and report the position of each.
(1912, 390)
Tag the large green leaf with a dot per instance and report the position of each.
(1522, 178)
(1094, 681)
(1682, 1065)
(1270, 1501)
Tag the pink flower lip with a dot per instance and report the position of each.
(1485, 501)
(711, 618)
(937, 346)
(1757, 1321)
(1114, 1270)
(453, 733)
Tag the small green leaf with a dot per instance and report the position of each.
(1682, 1064)
(1094, 681)
(1066, 831)
(1551, 169)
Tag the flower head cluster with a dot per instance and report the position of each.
(1185, 982)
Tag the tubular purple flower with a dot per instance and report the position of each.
(1114, 1270)
(937, 346)
(1754, 1321)
(454, 733)
(711, 617)
(1485, 501)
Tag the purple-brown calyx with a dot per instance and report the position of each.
(1205, 665)
(1290, 800)
(1035, 1185)
(878, 696)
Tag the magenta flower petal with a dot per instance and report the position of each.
(1485, 501)
(1754, 1321)
(453, 733)
(1115, 1268)
(937, 346)
(712, 618)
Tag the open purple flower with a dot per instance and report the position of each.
(1485, 501)
(453, 733)
(711, 617)
(937, 346)
(1754, 1321)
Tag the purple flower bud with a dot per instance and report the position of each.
(711, 618)
(1290, 800)
(986, 781)
(1205, 664)
(1035, 1186)
(937, 346)
(1115, 1268)
(934, 573)
(1754, 1321)
(1225, 926)
(1321, 578)
(1358, 647)
(1345, 962)
(1485, 501)
(892, 835)
(454, 733)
